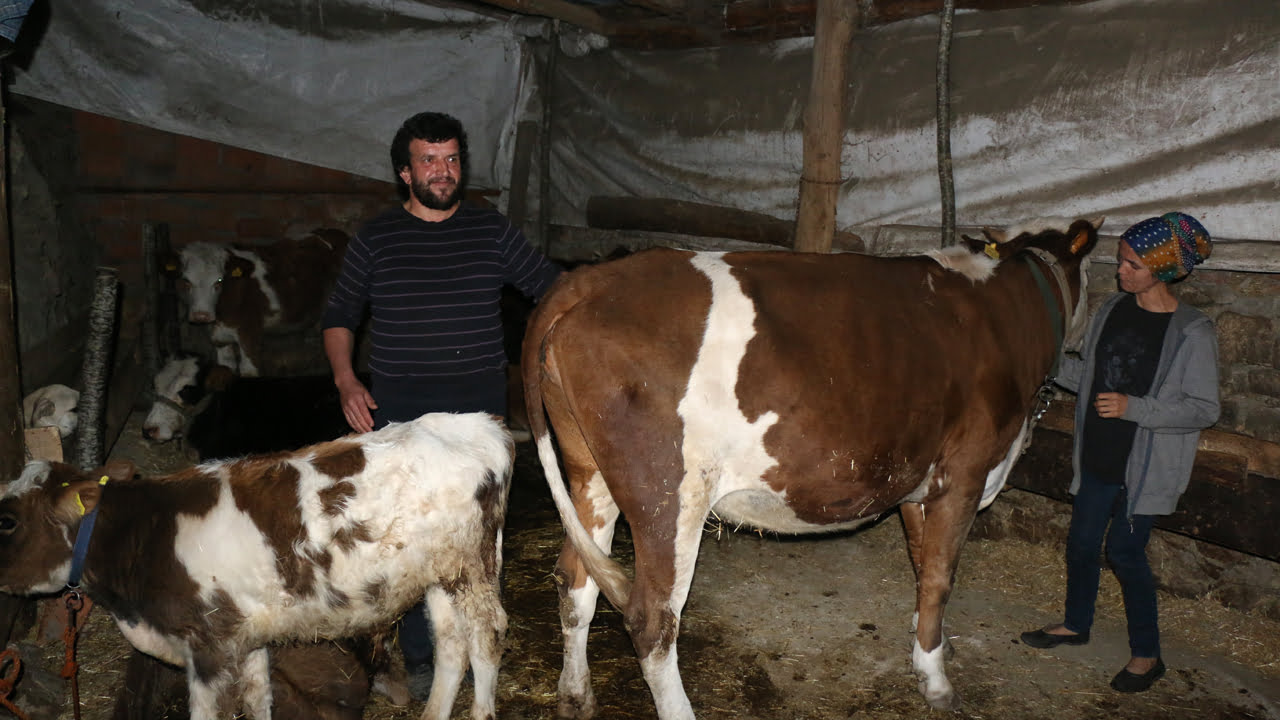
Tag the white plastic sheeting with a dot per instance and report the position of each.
(1123, 108)
(326, 82)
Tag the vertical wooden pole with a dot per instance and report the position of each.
(544, 172)
(96, 370)
(824, 126)
(12, 446)
(946, 179)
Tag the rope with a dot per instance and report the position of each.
(10, 660)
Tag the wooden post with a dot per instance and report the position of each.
(96, 370)
(946, 179)
(824, 126)
(11, 443)
(522, 158)
(544, 171)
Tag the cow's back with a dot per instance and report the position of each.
(839, 380)
(359, 525)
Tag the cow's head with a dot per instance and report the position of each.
(52, 406)
(40, 513)
(1068, 241)
(179, 386)
(201, 267)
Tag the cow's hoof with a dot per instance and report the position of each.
(395, 689)
(576, 708)
(947, 702)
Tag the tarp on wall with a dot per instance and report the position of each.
(1122, 108)
(326, 83)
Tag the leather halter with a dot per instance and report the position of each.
(1056, 318)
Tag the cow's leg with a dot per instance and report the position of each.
(487, 628)
(255, 684)
(450, 653)
(665, 561)
(578, 592)
(208, 679)
(936, 530)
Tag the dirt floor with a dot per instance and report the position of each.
(818, 629)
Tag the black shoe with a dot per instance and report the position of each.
(1127, 682)
(1045, 640)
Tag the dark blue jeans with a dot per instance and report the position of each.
(483, 393)
(1099, 511)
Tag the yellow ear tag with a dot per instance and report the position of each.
(992, 251)
(103, 480)
(80, 504)
(237, 272)
(170, 267)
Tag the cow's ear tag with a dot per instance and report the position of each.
(80, 505)
(103, 480)
(992, 250)
(236, 272)
(170, 267)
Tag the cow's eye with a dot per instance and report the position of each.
(8, 523)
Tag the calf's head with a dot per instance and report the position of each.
(40, 513)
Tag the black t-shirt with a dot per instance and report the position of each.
(1126, 359)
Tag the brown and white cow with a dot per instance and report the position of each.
(206, 567)
(242, 292)
(787, 392)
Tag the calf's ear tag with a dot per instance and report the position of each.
(992, 251)
(80, 505)
(237, 272)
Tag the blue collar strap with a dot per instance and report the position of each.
(81, 548)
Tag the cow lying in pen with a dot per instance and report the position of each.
(787, 392)
(221, 415)
(206, 567)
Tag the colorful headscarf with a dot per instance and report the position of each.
(1170, 245)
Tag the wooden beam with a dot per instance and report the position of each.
(1261, 457)
(824, 127)
(11, 440)
(699, 220)
(1226, 503)
(579, 15)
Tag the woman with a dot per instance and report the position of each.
(1150, 366)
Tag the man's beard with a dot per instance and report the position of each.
(422, 191)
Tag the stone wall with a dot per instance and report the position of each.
(1246, 308)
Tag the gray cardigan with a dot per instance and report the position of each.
(1183, 400)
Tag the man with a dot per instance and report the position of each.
(1149, 366)
(430, 273)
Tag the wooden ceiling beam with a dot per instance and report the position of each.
(569, 12)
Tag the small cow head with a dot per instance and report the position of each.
(179, 386)
(52, 406)
(40, 513)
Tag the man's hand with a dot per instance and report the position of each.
(356, 404)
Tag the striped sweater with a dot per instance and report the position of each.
(432, 290)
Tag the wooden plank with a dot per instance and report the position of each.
(43, 443)
(1225, 504)
(697, 219)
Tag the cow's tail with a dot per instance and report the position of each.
(607, 573)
